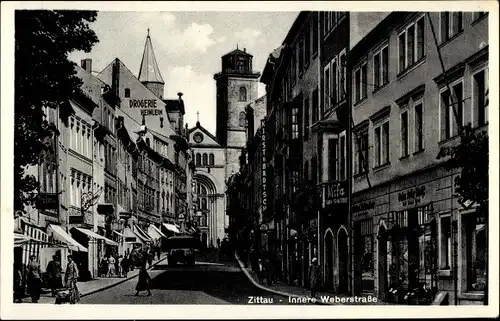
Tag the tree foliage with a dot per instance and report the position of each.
(44, 77)
(471, 157)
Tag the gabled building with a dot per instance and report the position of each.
(209, 184)
(163, 162)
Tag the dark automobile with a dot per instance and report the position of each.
(181, 249)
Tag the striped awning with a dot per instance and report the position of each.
(141, 234)
(20, 239)
(155, 233)
(61, 235)
(171, 227)
(96, 236)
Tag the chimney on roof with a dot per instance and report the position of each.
(87, 64)
(180, 95)
(244, 49)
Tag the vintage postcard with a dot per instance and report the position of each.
(249, 160)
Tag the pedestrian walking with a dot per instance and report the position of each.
(54, 272)
(269, 269)
(314, 277)
(71, 278)
(18, 283)
(34, 279)
(144, 281)
(150, 257)
(119, 266)
(253, 259)
(260, 271)
(111, 266)
(104, 266)
(158, 251)
(125, 266)
(132, 259)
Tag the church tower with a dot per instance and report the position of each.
(236, 88)
(149, 73)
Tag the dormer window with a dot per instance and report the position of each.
(243, 94)
(127, 92)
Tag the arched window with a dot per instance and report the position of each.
(203, 203)
(242, 119)
(205, 159)
(127, 92)
(198, 160)
(243, 94)
(211, 160)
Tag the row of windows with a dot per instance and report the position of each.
(109, 194)
(160, 147)
(410, 49)
(307, 43)
(204, 159)
(334, 90)
(330, 21)
(80, 137)
(452, 105)
(80, 184)
(411, 122)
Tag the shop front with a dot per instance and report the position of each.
(403, 238)
(333, 227)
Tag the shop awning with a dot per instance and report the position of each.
(141, 234)
(171, 227)
(20, 239)
(96, 236)
(155, 233)
(61, 235)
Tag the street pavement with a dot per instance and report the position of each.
(204, 283)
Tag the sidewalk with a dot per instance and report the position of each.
(304, 295)
(95, 285)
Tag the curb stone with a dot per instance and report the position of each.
(118, 282)
(318, 302)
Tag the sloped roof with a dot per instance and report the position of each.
(149, 71)
(204, 130)
(238, 52)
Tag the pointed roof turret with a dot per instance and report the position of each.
(149, 71)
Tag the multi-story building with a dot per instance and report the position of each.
(409, 230)
(291, 78)
(330, 124)
(156, 127)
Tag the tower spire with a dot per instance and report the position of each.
(149, 72)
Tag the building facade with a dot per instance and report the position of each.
(291, 76)
(409, 229)
(209, 185)
(330, 124)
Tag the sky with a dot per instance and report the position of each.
(188, 47)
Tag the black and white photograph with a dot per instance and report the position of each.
(247, 155)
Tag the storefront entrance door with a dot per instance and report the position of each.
(343, 262)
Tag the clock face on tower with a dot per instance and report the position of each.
(198, 137)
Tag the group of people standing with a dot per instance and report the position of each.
(54, 279)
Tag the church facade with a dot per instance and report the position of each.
(217, 157)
